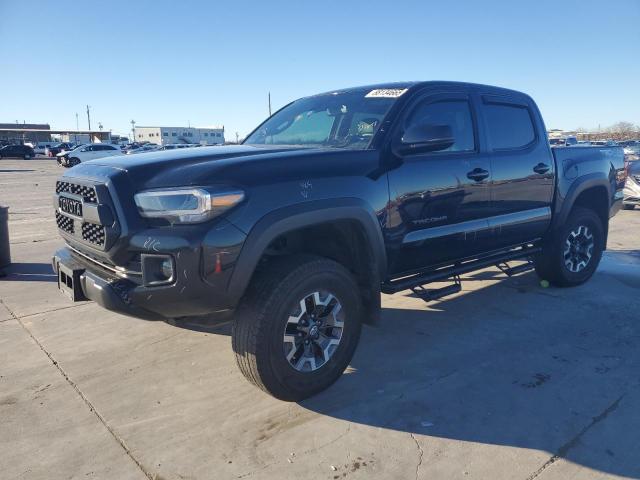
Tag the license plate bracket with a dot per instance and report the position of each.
(69, 282)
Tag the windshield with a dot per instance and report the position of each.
(340, 120)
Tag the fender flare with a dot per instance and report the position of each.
(299, 216)
(578, 186)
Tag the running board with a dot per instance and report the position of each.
(511, 271)
(457, 269)
(428, 295)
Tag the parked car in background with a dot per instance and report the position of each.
(557, 142)
(17, 151)
(632, 153)
(60, 148)
(88, 152)
(148, 147)
(604, 143)
(571, 141)
(42, 148)
(62, 157)
(582, 143)
(173, 146)
(631, 190)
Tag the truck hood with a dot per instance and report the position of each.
(235, 165)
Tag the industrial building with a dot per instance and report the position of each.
(166, 135)
(25, 132)
(19, 133)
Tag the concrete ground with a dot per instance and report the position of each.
(507, 380)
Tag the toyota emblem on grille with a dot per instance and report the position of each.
(70, 206)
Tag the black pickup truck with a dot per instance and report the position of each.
(332, 200)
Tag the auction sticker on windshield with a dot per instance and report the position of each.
(386, 93)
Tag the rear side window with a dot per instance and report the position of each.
(509, 126)
(456, 114)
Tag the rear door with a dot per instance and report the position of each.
(522, 168)
(439, 201)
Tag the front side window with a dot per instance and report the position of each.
(509, 126)
(454, 113)
(339, 120)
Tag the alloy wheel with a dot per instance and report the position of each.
(313, 331)
(578, 249)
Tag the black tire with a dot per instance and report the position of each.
(552, 265)
(27, 156)
(72, 162)
(628, 206)
(265, 312)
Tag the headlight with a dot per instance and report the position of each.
(186, 205)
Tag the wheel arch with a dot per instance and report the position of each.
(590, 191)
(336, 214)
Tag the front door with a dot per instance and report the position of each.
(439, 201)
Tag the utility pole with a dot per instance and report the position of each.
(237, 138)
(88, 118)
(269, 103)
(133, 131)
(75, 135)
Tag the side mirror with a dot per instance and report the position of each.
(425, 137)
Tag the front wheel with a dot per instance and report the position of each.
(628, 206)
(572, 255)
(298, 326)
(72, 162)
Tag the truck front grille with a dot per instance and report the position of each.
(64, 223)
(88, 193)
(93, 233)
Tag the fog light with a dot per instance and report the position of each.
(167, 268)
(157, 269)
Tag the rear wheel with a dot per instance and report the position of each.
(298, 326)
(573, 254)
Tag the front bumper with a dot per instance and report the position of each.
(201, 275)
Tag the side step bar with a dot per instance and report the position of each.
(429, 295)
(458, 269)
(511, 271)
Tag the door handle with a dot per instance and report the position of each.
(541, 168)
(477, 174)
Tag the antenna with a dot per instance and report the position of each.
(269, 103)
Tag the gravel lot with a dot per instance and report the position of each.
(506, 380)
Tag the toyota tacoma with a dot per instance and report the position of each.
(332, 200)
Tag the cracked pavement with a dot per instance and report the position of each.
(506, 380)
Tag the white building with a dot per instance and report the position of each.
(166, 135)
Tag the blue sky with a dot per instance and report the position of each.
(209, 63)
